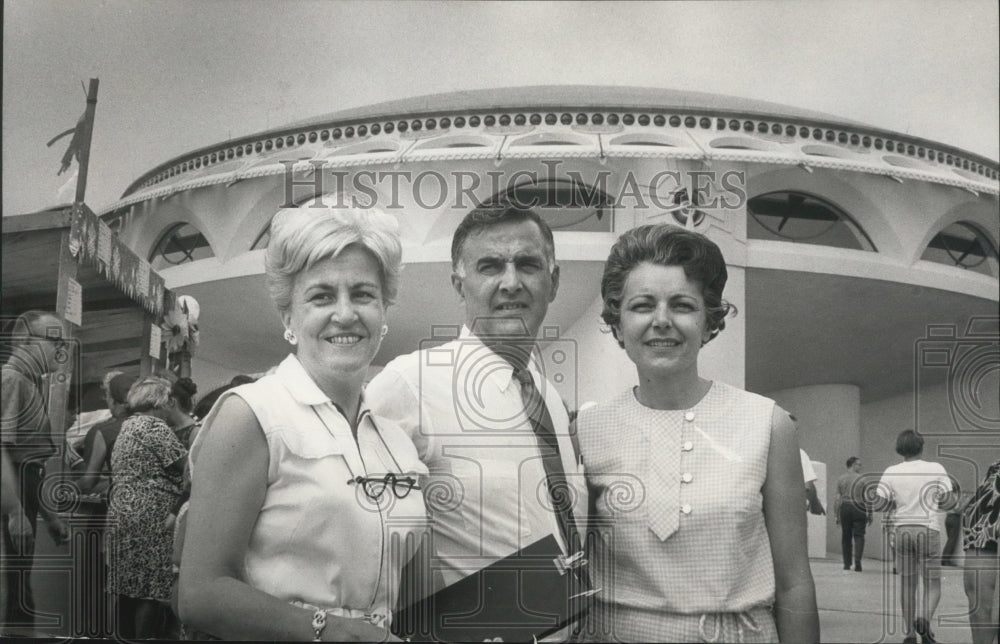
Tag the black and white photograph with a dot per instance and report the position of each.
(534, 321)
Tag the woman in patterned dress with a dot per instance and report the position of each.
(981, 528)
(147, 465)
(696, 487)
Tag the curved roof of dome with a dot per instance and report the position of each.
(552, 98)
(571, 96)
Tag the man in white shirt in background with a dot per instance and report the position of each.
(463, 403)
(920, 492)
(809, 474)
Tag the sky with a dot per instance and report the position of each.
(176, 75)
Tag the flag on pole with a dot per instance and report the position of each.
(79, 143)
(75, 144)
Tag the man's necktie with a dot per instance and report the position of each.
(560, 491)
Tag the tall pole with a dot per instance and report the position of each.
(88, 128)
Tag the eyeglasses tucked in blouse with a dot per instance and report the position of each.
(375, 486)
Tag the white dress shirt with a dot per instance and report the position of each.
(486, 491)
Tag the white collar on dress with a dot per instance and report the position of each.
(293, 377)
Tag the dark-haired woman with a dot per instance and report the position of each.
(698, 484)
(920, 492)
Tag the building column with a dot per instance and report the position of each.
(828, 418)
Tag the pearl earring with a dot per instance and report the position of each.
(290, 337)
(385, 330)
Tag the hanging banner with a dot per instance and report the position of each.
(142, 279)
(154, 341)
(92, 243)
(74, 302)
(103, 244)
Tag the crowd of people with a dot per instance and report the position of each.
(291, 507)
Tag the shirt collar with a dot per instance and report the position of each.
(501, 372)
(293, 376)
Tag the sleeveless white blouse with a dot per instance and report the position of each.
(320, 541)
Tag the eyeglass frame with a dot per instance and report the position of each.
(390, 480)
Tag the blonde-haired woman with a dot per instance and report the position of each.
(147, 465)
(298, 491)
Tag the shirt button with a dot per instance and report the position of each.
(686, 509)
(689, 416)
(688, 446)
(686, 477)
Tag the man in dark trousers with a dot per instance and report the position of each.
(852, 513)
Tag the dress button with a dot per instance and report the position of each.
(689, 416)
(688, 446)
(686, 477)
(686, 509)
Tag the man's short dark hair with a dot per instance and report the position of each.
(909, 443)
(851, 461)
(493, 214)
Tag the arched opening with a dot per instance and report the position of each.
(181, 244)
(565, 204)
(964, 246)
(804, 219)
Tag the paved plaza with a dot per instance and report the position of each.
(864, 607)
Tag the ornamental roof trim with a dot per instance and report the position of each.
(520, 110)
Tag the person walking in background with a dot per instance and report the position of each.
(813, 504)
(852, 514)
(919, 491)
(981, 531)
(713, 545)
(889, 534)
(25, 445)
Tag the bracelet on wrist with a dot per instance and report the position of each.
(318, 624)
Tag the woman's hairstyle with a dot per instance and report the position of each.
(106, 381)
(851, 461)
(909, 443)
(183, 391)
(151, 392)
(666, 245)
(303, 236)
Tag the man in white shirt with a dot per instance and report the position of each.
(463, 402)
(917, 490)
(809, 474)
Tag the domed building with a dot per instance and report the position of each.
(863, 262)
